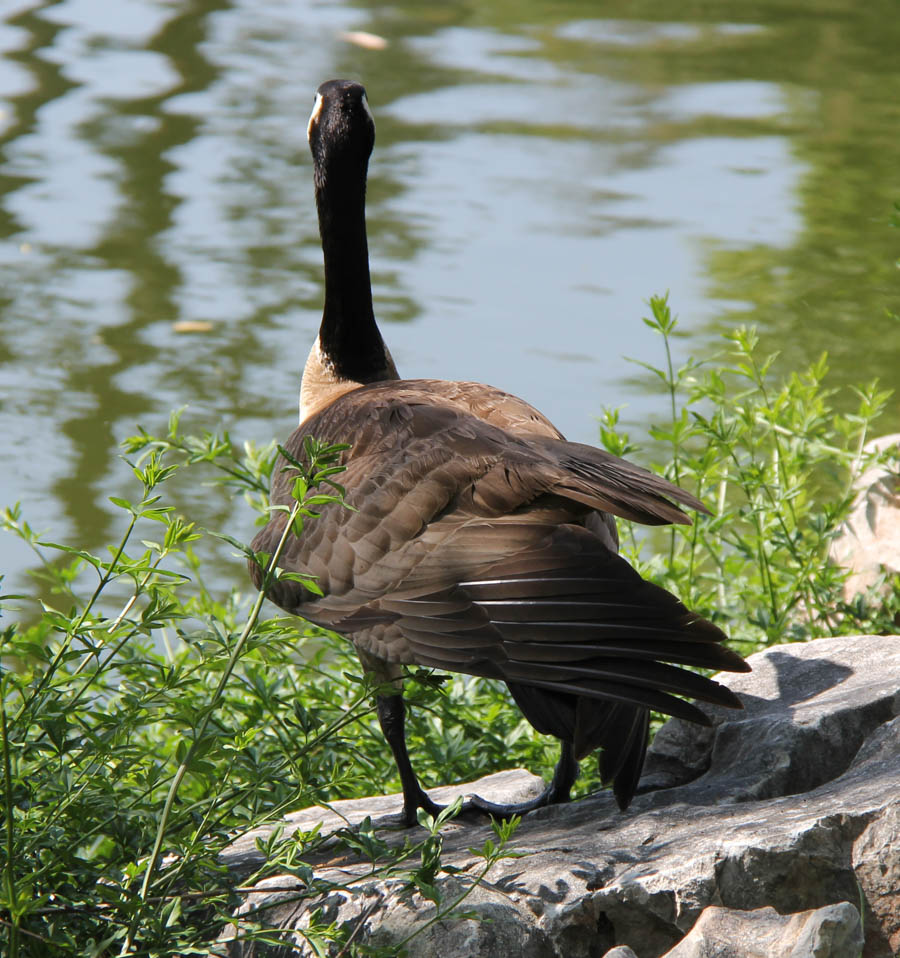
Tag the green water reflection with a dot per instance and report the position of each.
(538, 165)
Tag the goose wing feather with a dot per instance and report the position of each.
(481, 542)
(468, 550)
(422, 462)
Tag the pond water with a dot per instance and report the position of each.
(540, 170)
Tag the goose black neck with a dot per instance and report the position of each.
(348, 336)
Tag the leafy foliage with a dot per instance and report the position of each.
(148, 719)
(147, 723)
(777, 464)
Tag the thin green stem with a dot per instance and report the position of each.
(857, 459)
(120, 644)
(720, 509)
(204, 722)
(10, 873)
(809, 587)
(66, 644)
(28, 934)
(30, 539)
(70, 705)
(673, 409)
(138, 591)
(441, 913)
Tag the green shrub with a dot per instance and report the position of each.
(150, 716)
(145, 728)
(776, 464)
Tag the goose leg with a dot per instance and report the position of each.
(559, 790)
(391, 716)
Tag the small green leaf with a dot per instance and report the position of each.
(241, 546)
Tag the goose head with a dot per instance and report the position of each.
(341, 134)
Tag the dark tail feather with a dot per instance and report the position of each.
(551, 713)
(626, 773)
(588, 724)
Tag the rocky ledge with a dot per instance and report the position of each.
(775, 833)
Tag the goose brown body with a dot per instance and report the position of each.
(482, 542)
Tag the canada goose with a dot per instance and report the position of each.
(482, 541)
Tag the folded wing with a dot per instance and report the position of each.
(486, 550)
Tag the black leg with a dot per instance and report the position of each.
(564, 775)
(559, 790)
(391, 716)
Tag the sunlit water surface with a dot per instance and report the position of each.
(540, 170)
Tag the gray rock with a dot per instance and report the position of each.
(807, 710)
(386, 914)
(831, 932)
(869, 544)
(792, 806)
(876, 862)
(620, 951)
(512, 785)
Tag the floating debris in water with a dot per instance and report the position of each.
(192, 326)
(368, 41)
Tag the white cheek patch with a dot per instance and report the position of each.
(314, 116)
(365, 103)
